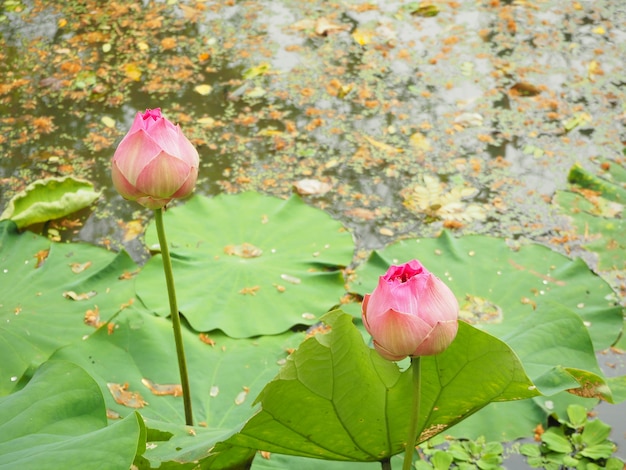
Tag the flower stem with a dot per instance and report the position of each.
(385, 464)
(178, 336)
(416, 368)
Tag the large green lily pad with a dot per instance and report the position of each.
(59, 419)
(249, 264)
(338, 399)
(46, 292)
(49, 199)
(596, 207)
(136, 369)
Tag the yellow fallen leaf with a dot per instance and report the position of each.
(132, 71)
(132, 230)
(420, 142)
(207, 121)
(203, 89)
(107, 121)
(382, 146)
(256, 71)
(362, 37)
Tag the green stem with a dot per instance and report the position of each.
(178, 336)
(416, 367)
(385, 464)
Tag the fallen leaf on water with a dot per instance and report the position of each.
(425, 10)
(311, 186)
(132, 229)
(420, 142)
(469, 119)
(163, 389)
(323, 27)
(122, 396)
(362, 36)
(108, 121)
(361, 213)
(525, 89)
(132, 71)
(433, 200)
(204, 89)
(579, 119)
(382, 146)
(258, 70)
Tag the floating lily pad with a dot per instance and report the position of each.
(435, 202)
(49, 292)
(338, 399)
(249, 264)
(136, 368)
(49, 199)
(59, 419)
(596, 209)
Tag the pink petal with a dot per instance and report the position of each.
(153, 203)
(122, 185)
(438, 303)
(398, 333)
(388, 354)
(138, 123)
(364, 304)
(439, 338)
(135, 152)
(171, 140)
(163, 176)
(187, 188)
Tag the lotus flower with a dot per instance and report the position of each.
(411, 312)
(154, 163)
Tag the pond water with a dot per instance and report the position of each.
(469, 119)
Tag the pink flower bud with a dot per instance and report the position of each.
(154, 163)
(410, 313)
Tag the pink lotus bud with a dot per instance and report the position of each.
(154, 163)
(410, 313)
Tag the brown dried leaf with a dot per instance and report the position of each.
(78, 268)
(163, 389)
(70, 294)
(41, 256)
(122, 396)
(245, 250)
